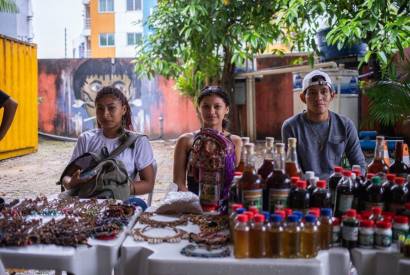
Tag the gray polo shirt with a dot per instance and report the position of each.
(321, 146)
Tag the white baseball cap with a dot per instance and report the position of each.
(307, 80)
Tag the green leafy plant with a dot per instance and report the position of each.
(8, 6)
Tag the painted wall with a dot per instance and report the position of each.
(101, 22)
(67, 88)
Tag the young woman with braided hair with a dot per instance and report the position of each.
(113, 119)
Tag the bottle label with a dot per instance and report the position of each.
(344, 203)
(252, 198)
(366, 240)
(383, 240)
(278, 199)
(350, 233)
(369, 205)
(335, 237)
(398, 232)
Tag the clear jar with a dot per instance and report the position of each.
(400, 227)
(383, 235)
(366, 234)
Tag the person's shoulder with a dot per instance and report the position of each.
(185, 140)
(293, 120)
(343, 119)
(90, 134)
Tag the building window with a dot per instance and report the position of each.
(134, 38)
(105, 5)
(107, 39)
(133, 5)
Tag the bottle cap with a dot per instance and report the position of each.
(376, 210)
(388, 215)
(281, 213)
(336, 221)
(259, 218)
(235, 206)
(391, 177)
(240, 210)
(383, 224)
(266, 214)
(288, 211)
(292, 142)
(370, 176)
(310, 218)
(376, 180)
(301, 184)
(366, 214)
(309, 174)
(276, 218)
(401, 219)
(351, 213)
(253, 209)
(249, 214)
(298, 213)
(321, 183)
(237, 174)
(314, 211)
(242, 218)
(327, 212)
(357, 173)
(293, 218)
(294, 180)
(366, 223)
(347, 173)
(399, 180)
(338, 169)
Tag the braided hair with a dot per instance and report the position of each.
(218, 91)
(112, 91)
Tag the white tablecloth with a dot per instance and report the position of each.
(380, 261)
(100, 258)
(158, 259)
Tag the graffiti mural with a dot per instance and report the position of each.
(68, 87)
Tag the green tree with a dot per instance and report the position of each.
(8, 6)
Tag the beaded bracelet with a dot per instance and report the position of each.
(139, 235)
(146, 218)
(189, 251)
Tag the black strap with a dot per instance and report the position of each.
(131, 138)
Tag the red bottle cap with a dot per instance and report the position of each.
(347, 173)
(242, 218)
(336, 221)
(376, 210)
(237, 173)
(383, 224)
(366, 214)
(321, 183)
(301, 184)
(253, 209)
(338, 169)
(401, 219)
(391, 177)
(249, 214)
(281, 213)
(399, 180)
(294, 180)
(388, 215)
(235, 206)
(366, 223)
(314, 211)
(288, 211)
(357, 172)
(259, 218)
(369, 176)
(351, 213)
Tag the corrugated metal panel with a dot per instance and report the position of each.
(18, 78)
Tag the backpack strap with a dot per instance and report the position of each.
(131, 138)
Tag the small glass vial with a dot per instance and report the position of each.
(350, 229)
(241, 237)
(336, 232)
(275, 237)
(257, 237)
(384, 234)
(400, 227)
(366, 234)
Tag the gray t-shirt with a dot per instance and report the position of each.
(321, 146)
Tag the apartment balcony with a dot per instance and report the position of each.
(87, 27)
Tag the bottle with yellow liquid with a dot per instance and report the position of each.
(309, 237)
(241, 237)
(292, 238)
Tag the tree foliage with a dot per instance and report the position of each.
(200, 41)
(8, 6)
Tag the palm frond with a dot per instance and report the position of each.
(8, 6)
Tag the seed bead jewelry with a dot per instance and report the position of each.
(190, 251)
(139, 235)
(146, 218)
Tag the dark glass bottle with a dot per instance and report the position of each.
(399, 168)
(333, 181)
(350, 229)
(398, 196)
(291, 165)
(267, 165)
(278, 183)
(250, 184)
(241, 165)
(344, 194)
(387, 185)
(299, 198)
(359, 188)
(321, 197)
(375, 194)
(312, 183)
(378, 165)
(234, 191)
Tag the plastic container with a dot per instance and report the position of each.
(366, 234)
(350, 229)
(241, 237)
(383, 235)
(309, 238)
(400, 227)
(275, 245)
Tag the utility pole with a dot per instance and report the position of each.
(65, 42)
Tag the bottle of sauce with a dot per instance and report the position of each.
(378, 165)
(325, 228)
(241, 166)
(292, 167)
(291, 238)
(398, 196)
(241, 237)
(309, 237)
(299, 198)
(399, 167)
(267, 165)
(350, 229)
(257, 237)
(333, 182)
(345, 194)
(275, 237)
(321, 197)
(375, 194)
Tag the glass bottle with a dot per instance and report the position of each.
(387, 185)
(344, 194)
(250, 184)
(291, 238)
(299, 198)
(233, 215)
(275, 237)
(278, 184)
(292, 167)
(376, 215)
(321, 197)
(325, 228)
(241, 165)
(398, 196)
(333, 181)
(241, 237)
(309, 237)
(399, 167)
(375, 194)
(312, 185)
(257, 237)
(360, 191)
(378, 165)
(267, 165)
(234, 192)
(350, 229)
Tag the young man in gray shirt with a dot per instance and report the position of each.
(322, 135)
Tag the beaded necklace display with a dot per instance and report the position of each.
(139, 235)
(146, 218)
(190, 251)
